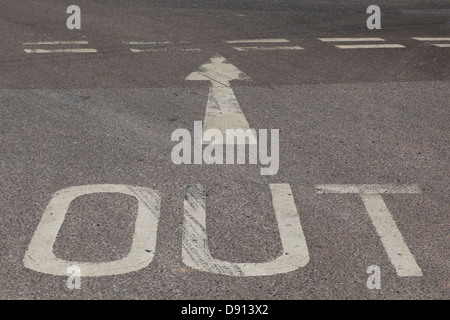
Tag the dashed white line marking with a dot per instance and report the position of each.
(146, 42)
(349, 39)
(79, 50)
(369, 46)
(54, 43)
(164, 49)
(391, 238)
(155, 43)
(367, 188)
(430, 39)
(196, 254)
(268, 48)
(434, 39)
(151, 43)
(258, 41)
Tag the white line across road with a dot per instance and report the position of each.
(146, 42)
(58, 43)
(349, 39)
(164, 49)
(430, 39)
(268, 48)
(153, 43)
(435, 39)
(369, 46)
(77, 50)
(367, 188)
(390, 235)
(258, 41)
(362, 46)
(55, 43)
(155, 47)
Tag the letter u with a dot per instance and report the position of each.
(195, 252)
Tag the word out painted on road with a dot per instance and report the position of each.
(195, 253)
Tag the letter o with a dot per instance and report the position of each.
(40, 257)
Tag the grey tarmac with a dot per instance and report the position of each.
(346, 117)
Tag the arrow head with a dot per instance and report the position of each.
(219, 71)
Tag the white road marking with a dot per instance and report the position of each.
(196, 254)
(442, 45)
(430, 39)
(222, 109)
(154, 42)
(78, 50)
(40, 257)
(54, 43)
(267, 48)
(258, 41)
(137, 50)
(146, 42)
(164, 49)
(369, 46)
(349, 39)
(367, 188)
(391, 238)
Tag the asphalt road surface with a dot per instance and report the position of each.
(87, 176)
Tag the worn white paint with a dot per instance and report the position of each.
(40, 257)
(267, 48)
(195, 252)
(223, 112)
(55, 43)
(146, 42)
(431, 39)
(154, 42)
(367, 188)
(369, 46)
(78, 50)
(164, 49)
(349, 39)
(442, 45)
(259, 41)
(391, 237)
(222, 109)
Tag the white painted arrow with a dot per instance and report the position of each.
(222, 110)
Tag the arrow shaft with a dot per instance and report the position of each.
(223, 112)
(221, 100)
